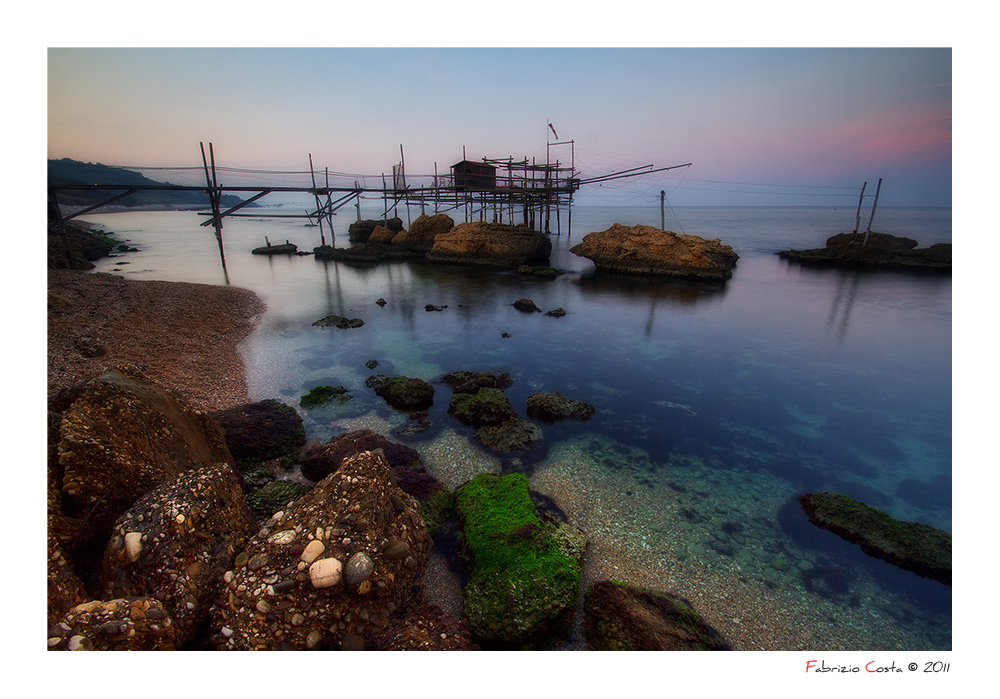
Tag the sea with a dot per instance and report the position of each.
(716, 405)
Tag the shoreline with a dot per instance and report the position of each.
(186, 335)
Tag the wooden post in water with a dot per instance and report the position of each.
(357, 202)
(857, 220)
(663, 223)
(214, 198)
(319, 216)
(868, 232)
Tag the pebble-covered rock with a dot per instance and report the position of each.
(118, 624)
(425, 628)
(65, 589)
(124, 435)
(356, 510)
(176, 542)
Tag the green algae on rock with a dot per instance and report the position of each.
(524, 568)
(550, 407)
(622, 617)
(919, 548)
(487, 406)
(319, 395)
(403, 392)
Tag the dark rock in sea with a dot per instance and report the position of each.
(422, 233)
(283, 249)
(550, 407)
(371, 363)
(491, 244)
(650, 251)
(431, 307)
(471, 381)
(120, 624)
(339, 322)
(509, 437)
(540, 271)
(425, 628)
(380, 302)
(106, 457)
(920, 548)
(402, 392)
(526, 306)
(881, 251)
(360, 231)
(263, 430)
(524, 565)
(556, 313)
(622, 617)
(319, 459)
(487, 406)
(419, 422)
(175, 543)
(271, 600)
(319, 395)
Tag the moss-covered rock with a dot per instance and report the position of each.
(273, 496)
(487, 406)
(325, 394)
(510, 436)
(403, 392)
(551, 407)
(524, 570)
(920, 548)
(622, 617)
(472, 381)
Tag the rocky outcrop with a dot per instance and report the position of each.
(340, 322)
(622, 617)
(263, 430)
(472, 381)
(331, 570)
(382, 235)
(551, 407)
(920, 548)
(65, 589)
(524, 565)
(509, 437)
(121, 437)
(526, 306)
(650, 251)
(491, 244)
(360, 231)
(881, 250)
(119, 624)
(487, 406)
(175, 543)
(285, 248)
(422, 232)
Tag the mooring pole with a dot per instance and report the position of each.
(214, 197)
(868, 232)
(663, 223)
(857, 220)
(357, 202)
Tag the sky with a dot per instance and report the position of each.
(760, 126)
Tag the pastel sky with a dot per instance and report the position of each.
(761, 126)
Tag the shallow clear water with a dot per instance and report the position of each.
(715, 405)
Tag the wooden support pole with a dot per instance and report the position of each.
(857, 220)
(868, 232)
(663, 222)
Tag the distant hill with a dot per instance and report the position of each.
(68, 171)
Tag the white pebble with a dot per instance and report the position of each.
(313, 550)
(133, 545)
(325, 572)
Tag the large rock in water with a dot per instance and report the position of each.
(123, 435)
(920, 548)
(650, 251)
(329, 571)
(491, 244)
(263, 430)
(360, 231)
(175, 543)
(422, 232)
(524, 565)
(621, 617)
(882, 250)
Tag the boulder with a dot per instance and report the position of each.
(175, 543)
(329, 571)
(403, 392)
(526, 306)
(491, 244)
(123, 435)
(510, 436)
(650, 251)
(118, 624)
(360, 231)
(882, 250)
(381, 235)
(425, 628)
(339, 322)
(550, 407)
(920, 548)
(422, 232)
(262, 430)
(471, 381)
(622, 617)
(524, 566)
(487, 406)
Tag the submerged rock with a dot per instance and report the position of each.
(491, 244)
(550, 407)
(487, 406)
(524, 566)
(471, 381)
(526, 305)
(510, 436)
(650, 251)
(318, 395)
(622, 617)
(403, 392)
(339, 322)
(920, 548)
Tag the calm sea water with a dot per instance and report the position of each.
(716, 406)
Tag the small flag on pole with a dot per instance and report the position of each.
(553, 130)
